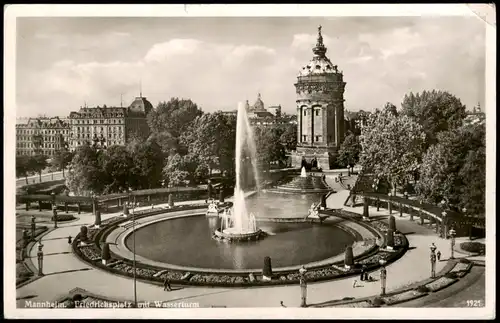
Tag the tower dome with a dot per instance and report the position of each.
(319, 64)
(259, 105)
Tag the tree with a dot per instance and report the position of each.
(391, 108)
(86, 173)
(179, 169)
(116, 164)
(392, 146)
(22, 167)
(435, 110)
(212, 138)
(37, 164)
(454, 169)
(61, 159)
(173, 116)
(269, 147)
(148, 161)
(169, 144)
(349, 151)
(289, 137)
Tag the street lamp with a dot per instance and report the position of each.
(433, 260)
(40, 259)
(54, 209)
(383, 275)
(303, 286)
(135, 269)
(443, 231)
(452, 233)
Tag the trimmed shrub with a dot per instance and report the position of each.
(450, 275)
(365, 208)
(422, 289)
(390, 238)
(83, 233)
(392, 223)
(465, 261)
(61, 217)
(349, 257)
(267, 270)
(106, 256)
(77, 298)
(221, 196)
(377, 302)
(97, 217)
(474, 247)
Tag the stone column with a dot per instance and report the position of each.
(312, 126)
(79, 207)
(421, 218)
(400, 209)
(299, 125)
(411, 210)
(119, 202)
(389, 206)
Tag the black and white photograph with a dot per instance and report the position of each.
(250, 161)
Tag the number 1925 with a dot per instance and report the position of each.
(474, 303)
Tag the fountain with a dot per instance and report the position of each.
(304, 184)
(239, 225)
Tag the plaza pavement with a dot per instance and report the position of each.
(64, 271)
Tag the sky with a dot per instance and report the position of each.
(63, 63)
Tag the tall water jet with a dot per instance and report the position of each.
(241, 225)
(303, 172)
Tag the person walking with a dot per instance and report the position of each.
(438, 254)
(166, 283)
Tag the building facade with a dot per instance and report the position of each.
(320, 110)
(42, 135)
(106, 126)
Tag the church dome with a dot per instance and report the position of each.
(319, 64)
(259, 105)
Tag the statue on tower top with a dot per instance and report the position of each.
(320, 48)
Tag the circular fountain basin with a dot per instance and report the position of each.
(188, 241)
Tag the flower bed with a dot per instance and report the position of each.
(360, 304)
(440, 283)
(403, 297)
(63, 217)
(474, 247)
(461, 269)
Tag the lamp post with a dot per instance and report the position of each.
(40, 259)
(443, 229)
(433, 260)
(54, 209)
(464, 211)
(33, 227)
(303, 286)
(135, 269)
(389, 205)
(383, 276)
(452, 233)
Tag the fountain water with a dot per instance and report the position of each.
(303, 172)
(238, 222)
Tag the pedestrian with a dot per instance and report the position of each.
(354, 284)
(438, 254)
(282, 305)
(166, 283)
(362, 277)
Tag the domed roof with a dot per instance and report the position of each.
(141, 104)
(319, 64)
(259, 105)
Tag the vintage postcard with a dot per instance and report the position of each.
(250, 161)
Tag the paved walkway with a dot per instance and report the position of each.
(64, 272)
